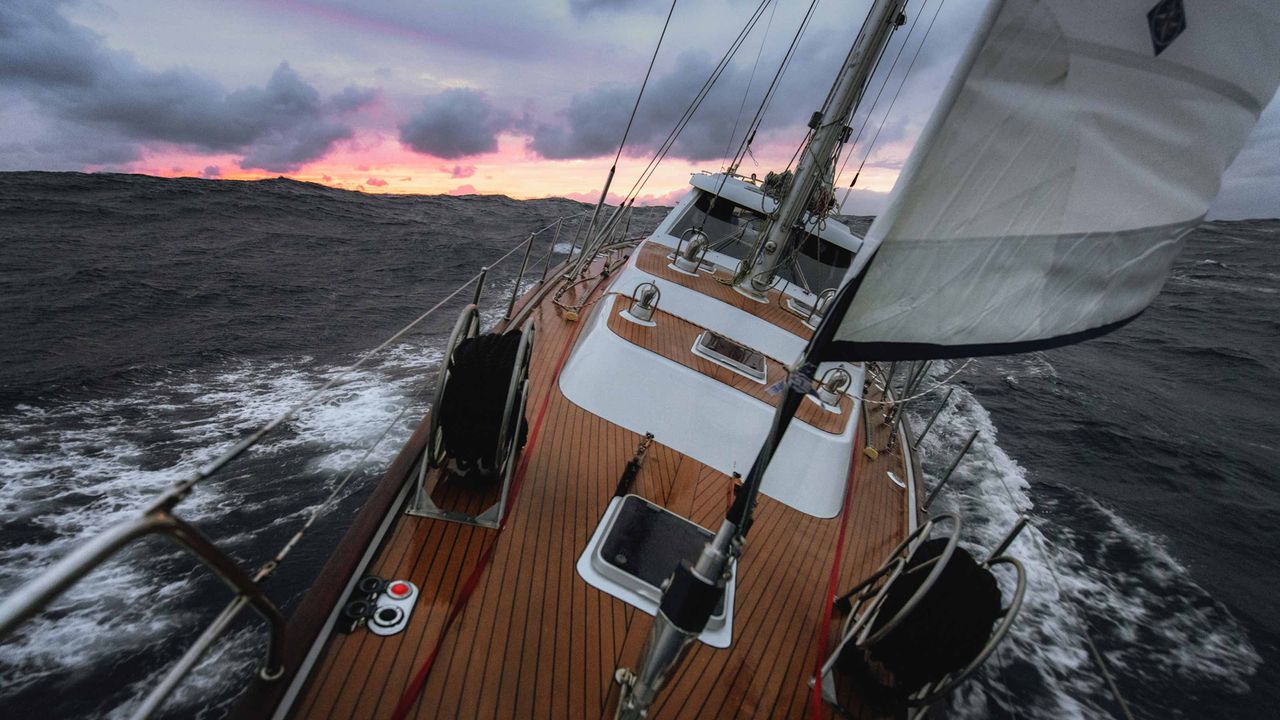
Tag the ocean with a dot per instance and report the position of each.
(149, 323)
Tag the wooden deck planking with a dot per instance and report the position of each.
(652, 258)
(537, 641)
(674, 337)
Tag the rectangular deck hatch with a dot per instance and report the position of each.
(645, 543)
(635, 549)
(731, 354)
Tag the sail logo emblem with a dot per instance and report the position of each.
(1166, 20)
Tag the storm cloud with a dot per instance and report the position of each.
(459, 171)
(592, 123)
(64, 69)
(455, 123)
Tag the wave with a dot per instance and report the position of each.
(74, 469)
(1098, 576)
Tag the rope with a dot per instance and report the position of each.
(936, 385)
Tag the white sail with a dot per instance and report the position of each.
(1076, 144)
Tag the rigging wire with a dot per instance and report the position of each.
(696, 102)
(750, 81)
(907, 74)
(645, 83)
(745, 146)
(1041, 548)
(319, 510)
(915, 20)
(771, 92)
(181, 489)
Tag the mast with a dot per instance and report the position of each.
(817, 159)
(691, 594)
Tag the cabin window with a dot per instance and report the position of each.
(823, 264)
(734, 229)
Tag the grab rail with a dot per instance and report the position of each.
(158, 518)
(528, 248)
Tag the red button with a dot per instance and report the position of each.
(398, 590)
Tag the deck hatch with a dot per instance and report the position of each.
(644, 543)
(731, 354)
(636, 548)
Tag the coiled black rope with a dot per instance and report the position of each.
(475, 401)
(945, 631)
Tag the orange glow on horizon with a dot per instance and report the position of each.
(374, 162)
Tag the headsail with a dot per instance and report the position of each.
(1047, 198)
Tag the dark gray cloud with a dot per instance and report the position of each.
(33, 140)
(67, 71)
(459, 171)
(352, 98)
(455, 123)
(592, 124)
(211, 172)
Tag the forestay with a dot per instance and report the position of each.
(1075, 146)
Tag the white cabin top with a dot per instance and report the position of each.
(698, 415)
(749, 193)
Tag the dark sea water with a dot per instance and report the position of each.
(148, 323)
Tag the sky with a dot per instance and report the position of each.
(522, 98)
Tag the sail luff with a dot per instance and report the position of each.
(1075, 145)
(820, 342)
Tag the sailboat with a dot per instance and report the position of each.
(676, 481)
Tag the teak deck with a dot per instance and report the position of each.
(653, 259)
(673, 338)
(534, 640)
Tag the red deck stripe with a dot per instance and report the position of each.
(411, 693)
(824, 628)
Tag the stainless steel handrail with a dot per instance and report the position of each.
(524, 263)
(29, 599)
(158, 518)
